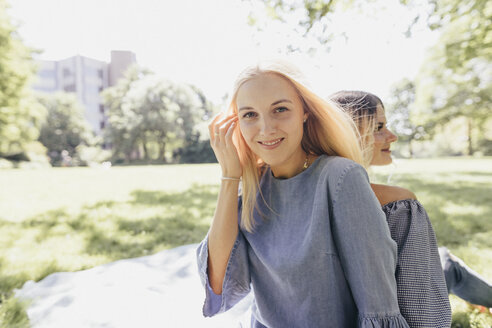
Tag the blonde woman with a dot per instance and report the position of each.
(306, 233)
(421, 285)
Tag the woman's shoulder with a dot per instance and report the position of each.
(336, 165)
(390, 194)
(334, 169)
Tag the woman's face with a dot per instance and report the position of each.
(383, 138)
(271, 119)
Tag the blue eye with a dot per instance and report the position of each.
(249, 115)
(281, 109)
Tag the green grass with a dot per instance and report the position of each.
(68, 219)
(13, 313)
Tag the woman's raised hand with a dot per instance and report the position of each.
(221, 129)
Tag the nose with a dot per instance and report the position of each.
(391, 137)
(267, 126)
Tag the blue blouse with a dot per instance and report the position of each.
(321, 256)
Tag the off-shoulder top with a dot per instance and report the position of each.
(421, 286)
(322, 255)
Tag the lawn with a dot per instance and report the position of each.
(68, 219)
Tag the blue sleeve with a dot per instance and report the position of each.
(236, 283)
(366, 250)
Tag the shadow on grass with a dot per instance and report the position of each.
(180, 218)
(110, 230)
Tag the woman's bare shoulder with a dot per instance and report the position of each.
(387, 194)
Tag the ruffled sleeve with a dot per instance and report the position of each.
(421, 286)
(236, 283)
(396, 321)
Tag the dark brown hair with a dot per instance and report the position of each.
(359, 104)
(363, 108)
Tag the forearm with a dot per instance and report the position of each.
(223, 233)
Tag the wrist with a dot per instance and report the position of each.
(230, 178)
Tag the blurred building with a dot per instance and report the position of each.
(86, 77)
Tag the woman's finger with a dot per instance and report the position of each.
(220, 127)
(224, 127)
(211, 126)
(230, 131)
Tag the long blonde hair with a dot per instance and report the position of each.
(328, 130)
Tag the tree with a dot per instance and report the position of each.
(310, 12)
(121, 134)
(148, 113)
(455, 80)
(65, 127)
(20, 115)
(400, 107)
(196, 147)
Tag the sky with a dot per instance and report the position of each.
(207, 43)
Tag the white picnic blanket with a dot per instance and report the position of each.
(160, 290)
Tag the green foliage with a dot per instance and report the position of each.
(13, 313)
(306, 20)
(121, 136)
(147, 113)
(195, 151)
(455, 79)
(65, 127)
(399, 108)
(311, 11)
(485, 145)
(20, 115)
(444, 12)
(471, 319)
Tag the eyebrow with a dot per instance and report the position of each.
(273, 104)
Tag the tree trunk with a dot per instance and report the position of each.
(410, 147)
(145, 150)
(470, 146)
(162, 151)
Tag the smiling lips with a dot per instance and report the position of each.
(271, 143)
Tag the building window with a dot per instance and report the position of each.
(101, 108)
(102, 124)
(69, 88)
(66, 72)
(101, 89)
(100, 73)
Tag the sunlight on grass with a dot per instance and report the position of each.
(30, 192)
